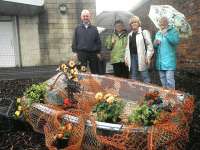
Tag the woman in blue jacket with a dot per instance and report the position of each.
(165, 43)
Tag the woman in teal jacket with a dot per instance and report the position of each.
(165, 43)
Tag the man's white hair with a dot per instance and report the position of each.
(85, 11)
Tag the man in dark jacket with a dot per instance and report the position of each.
(86, 43)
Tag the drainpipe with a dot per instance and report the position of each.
(79, 8)
(19, 43)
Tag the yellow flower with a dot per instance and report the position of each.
(75, 79)
(110, 99)
(69, 76)
(72, 71)
(19, 108)
(63, 67)
(99, 96)
(75, 76)
(107, 95)
(71, 64)
(18, 100)
(65, 70)
(75, 71)
(17, 113)
(83, 69)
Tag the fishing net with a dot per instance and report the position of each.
(75, 126)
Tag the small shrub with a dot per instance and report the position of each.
(36, 93)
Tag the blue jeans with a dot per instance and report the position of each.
(167, 78)
(134, 70)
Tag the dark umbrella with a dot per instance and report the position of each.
(106, 19)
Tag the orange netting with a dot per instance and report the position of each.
(55, 121)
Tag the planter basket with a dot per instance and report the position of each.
(171, 132)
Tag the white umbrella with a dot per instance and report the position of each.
(176, 18)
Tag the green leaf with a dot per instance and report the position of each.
(36, 93)
(109, 112)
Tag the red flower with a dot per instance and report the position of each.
(67, 101)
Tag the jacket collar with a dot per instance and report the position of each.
(168, 28)
(83, 25)
(138, 32)
(122, 34)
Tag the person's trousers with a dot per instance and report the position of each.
(120, 70)
(102, 66)
(134, 70)
(89, 58)
(167, 78)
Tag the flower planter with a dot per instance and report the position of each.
(170, 132)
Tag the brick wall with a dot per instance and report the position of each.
(188, 52)
(56, 29)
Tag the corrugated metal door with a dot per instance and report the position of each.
(7, 51)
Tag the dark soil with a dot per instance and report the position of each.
(17, 135)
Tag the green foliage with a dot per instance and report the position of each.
(109, 112)
(36, 93)
(67, 135)
(144, 115)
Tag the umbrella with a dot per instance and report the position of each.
(106, 19)
(100, 29)
(176, 18)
